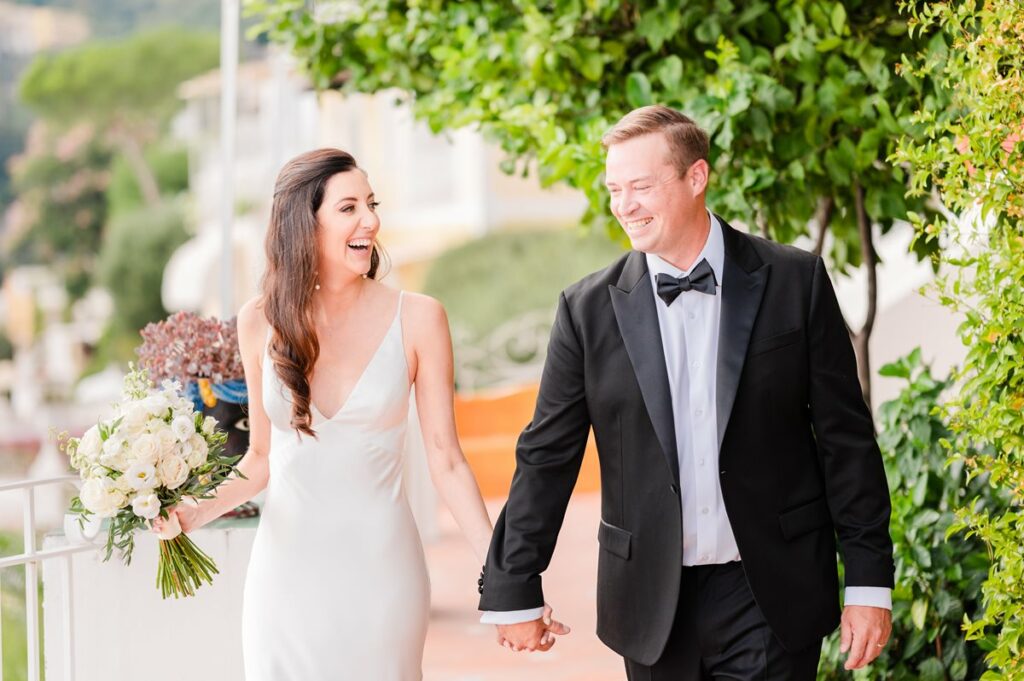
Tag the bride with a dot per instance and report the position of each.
(337, 585)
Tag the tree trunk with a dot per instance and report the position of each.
(144, 176)
(823, 217)
(870, 260)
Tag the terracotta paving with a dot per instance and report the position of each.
(459, 648)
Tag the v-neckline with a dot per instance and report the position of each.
(359, 381)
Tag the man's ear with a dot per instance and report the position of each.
(697, 176)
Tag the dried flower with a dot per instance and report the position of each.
(186, 347)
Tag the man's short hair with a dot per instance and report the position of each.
(687, 142)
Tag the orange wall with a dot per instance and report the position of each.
(489, 425)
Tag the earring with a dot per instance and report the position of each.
(316, 286)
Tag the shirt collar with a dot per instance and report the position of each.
(713, 252)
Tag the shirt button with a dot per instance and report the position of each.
(705, 558)
(700, 461)
(704, 510)
(699, 412)
(695, 365)
(691, 315)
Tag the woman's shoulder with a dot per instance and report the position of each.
(422, 308)
(252, 321)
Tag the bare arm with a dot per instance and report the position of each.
(435, 392)
(252, 334)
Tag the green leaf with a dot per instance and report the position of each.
(670, 73)
(895, 370)
(931, 669)
(918, 610)
(638, 90)
(838, 18)
(828, 44)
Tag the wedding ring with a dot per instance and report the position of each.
(880, 645)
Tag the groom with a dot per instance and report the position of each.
(735, 446)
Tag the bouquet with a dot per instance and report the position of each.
(154, 452)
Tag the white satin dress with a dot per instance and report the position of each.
(337, 585)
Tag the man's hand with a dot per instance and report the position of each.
(538, 634)
(865, 631)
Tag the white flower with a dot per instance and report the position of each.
(169, 444)
(115, 453)
(183, 427)
(146, 506)
(198, 449)
(209, 426)
(99, 496)
(134, 416)
(141, 475)
(123, 484)
(146, 449)
(156, 405)
(90, 444)
(183, 406)
(172, 471)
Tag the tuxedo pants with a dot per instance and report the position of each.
(719, 633)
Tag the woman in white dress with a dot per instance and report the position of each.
(337, 586)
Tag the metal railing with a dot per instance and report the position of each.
(32, 559)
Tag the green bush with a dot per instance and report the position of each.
(170, 168)
(132, 260)
(6, 347)
(938, 582)
(498, 277)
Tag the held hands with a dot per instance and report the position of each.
(865, 631)
(538, 634)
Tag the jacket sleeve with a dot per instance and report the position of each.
(855, 483)
(548, 458)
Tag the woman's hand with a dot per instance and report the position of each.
(182, 518)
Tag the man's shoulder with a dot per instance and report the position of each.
(780, 255)
(595, 283)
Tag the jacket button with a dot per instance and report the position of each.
(721, 473)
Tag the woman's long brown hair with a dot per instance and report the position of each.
(290, 277)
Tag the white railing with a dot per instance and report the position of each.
(32, 560)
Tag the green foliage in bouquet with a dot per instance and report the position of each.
(150, 456)
(972, 158)
(938, 582)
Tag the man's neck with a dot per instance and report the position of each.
(693, 235)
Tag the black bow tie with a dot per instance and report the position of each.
(702, 279)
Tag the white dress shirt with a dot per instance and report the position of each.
(689, 335)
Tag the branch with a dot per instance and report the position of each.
(823, 218)
(869, 258)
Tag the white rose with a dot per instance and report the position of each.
(198, 450)
(99, 496)
(146, 449)
(134, 416)
(156, 405)
(172, 471)
(90, 444)
(146, 506)
(115, 453)
(123, 484)
(209, 425)
(141, 475)
(169, 445)
(183, 427)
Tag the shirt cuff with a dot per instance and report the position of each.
(511, 616)
(874, 596)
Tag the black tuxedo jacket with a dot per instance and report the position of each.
(798, 461)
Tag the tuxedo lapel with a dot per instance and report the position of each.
(633, 303)
(743, 283)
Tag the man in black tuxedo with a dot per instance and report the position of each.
(734, 443)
